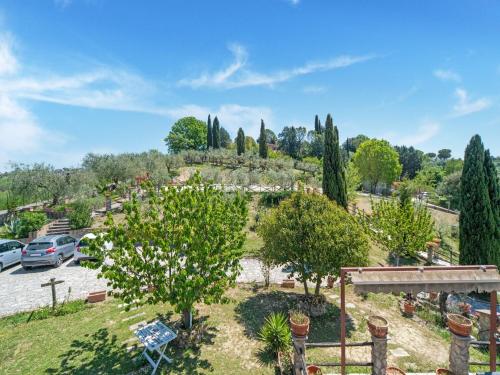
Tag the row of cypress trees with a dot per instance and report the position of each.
(213, 133)
(480, 207)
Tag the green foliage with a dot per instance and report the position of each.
(444, 154)
(216, 133)
(291, 140)
(402, 229)
(377, 162)
(209, 133)
(189, 133)
(428, 178)
(452, 166)
(411, 160)
(225, 138)
(274, 198)
(334, 181)
(314, 236)
(316, 144)
(250, 144)
(191, 243)
(353, 181)
(80, 215)
(26, 222)
(477, 221)
(276, 334)
(450, 190)
(352, 144)
(240, 142)
(262, 141)
(271, 137)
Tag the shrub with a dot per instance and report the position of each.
(81, 214)
(25, 223)
(276, 334)
(273, 199)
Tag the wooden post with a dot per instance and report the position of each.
(342, 322)
(52, 283)
(493, 328)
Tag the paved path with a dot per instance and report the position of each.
(21, 290)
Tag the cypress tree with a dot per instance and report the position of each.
(240, 142)
(262, 140)
(334, 182)
(494, 196)
(320, 128)
(209, 133)
(316, 124)
(477, 223)
(216, 133)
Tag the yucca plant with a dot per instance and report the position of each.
(276, 334)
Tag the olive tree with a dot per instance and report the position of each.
(182, 246)
(314, 236)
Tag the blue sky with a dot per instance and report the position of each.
(80, 76)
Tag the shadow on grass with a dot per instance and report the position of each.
(252, 312)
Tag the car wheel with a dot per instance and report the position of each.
(59, 261)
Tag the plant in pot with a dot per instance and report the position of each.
(377, 325)
(459, 325)
(276, 335)
(409, 305)
(299, 323)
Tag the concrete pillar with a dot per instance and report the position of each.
(298, 353)
(459, 354)
(379, 355)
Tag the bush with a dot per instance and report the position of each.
(25, 223)
(273, 199)
(276, 334)
(81, 214)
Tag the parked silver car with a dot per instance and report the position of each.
(48, 251)
(10, 252)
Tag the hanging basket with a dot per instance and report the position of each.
(377, 326)
(459, 325)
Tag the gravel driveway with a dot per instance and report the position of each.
(21, 290)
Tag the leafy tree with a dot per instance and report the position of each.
(80, 215)
(271, 137)
(353, 181)
(410, 159)
(377, 162)
(291, 139)
(491, 175)
(450, 189)
(190, 245)
(452, 166)
(316, 144)
(352, 144)
(444, 154)
(40, 181)
(225, 138)
(428, 178)
(216, 133)
(209, 133)
(188, 133)
(400, 227)
(240, 142)
(477, 221)
(334, 183)
(110, 168)
(262, 141)
(250, 143)
(314, 236)
(431, 155)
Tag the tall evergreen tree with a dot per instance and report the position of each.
(316, 124)
(477, 223)
(494, 195)
(216, 133)
(262, 140)
(209, 133)
(334, 182)
(320, 127)
(240, 142)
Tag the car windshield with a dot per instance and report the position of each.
(39, 245)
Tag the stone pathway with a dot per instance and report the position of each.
(21, 290)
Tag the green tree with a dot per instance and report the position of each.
(314, 236)
(494, 195)
(291, 140)
(352, 144)
(477, 222)
(225, 138)
(317, 125)
(250, 144)
(400, 227)
(190, 245)
(209, 133)
(316, 144)
(334, 182)
(188, 133)
(353, 181)
(444, 154)
(271, 137)
(377, 162)
(450, 189)
(240, 142)
(452, 166)
(262, 141)
(411, 160)
(216, 133)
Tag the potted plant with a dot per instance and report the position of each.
(299, 323)
(409, 306)
(377, 326)
(465, 307)
(459, 324)
(314, 370)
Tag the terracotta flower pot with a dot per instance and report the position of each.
(330, 281)
(443, 371)
(94, 297)
(394, 371)
(459, 325)
(299, 329)
(313, 370)
(377, 326)
(409, 307)
(288, 283)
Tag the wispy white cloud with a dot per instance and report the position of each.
(447, 75)
(466, 106)
(8, 62)
(425, 132)
(238, 75)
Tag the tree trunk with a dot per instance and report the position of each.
(187, 318)
(443, 296)
(397, 260)
(318, 285)
(306, 289)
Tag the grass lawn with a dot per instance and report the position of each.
(94, 340)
